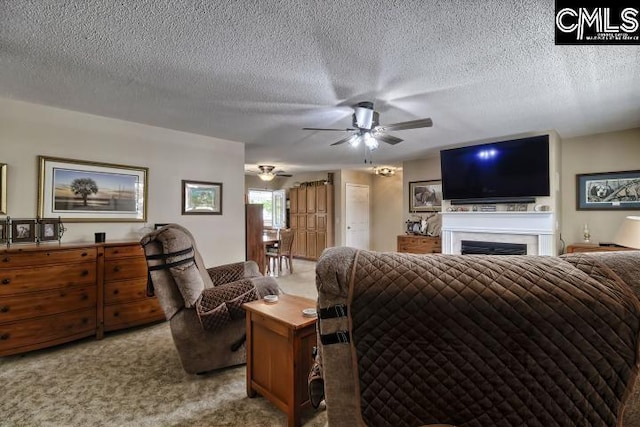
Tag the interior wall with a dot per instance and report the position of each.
(606, 152)
(29, 130)
(387, 215)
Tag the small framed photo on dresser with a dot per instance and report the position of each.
(23, 230)
(49, 229)
(4, 232)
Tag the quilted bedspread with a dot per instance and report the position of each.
(478, 340)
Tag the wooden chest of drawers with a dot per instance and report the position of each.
(52, 294)
(419, 244)
(48, 295)
(125, 285)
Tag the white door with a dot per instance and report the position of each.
(357, 216)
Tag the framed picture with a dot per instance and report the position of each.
(158, 225)
(608, 191)
(3, 189)
(4, 231)
(23, 230)
(49, 229)
(82, 191)
(201, 198)
(425, 196)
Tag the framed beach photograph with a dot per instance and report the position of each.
(425, 196)
(201, 198)
(23, 230)
(49, 229)
(608, 191)
(85, 191)
(3, 188)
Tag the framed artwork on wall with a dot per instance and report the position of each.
(608, 191)
(201, 198)
(3, 188)
(425, 196)
(85, 191)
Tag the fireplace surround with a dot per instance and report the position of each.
(536, 230)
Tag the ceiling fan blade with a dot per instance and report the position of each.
(412, 124)
(337, 130)
(388, 139)
(286, 175)
(343, 140)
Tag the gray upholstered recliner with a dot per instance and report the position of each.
(202, 305)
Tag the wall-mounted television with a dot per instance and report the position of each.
(500, 172)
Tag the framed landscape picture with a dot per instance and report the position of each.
(4, 231)
(84, 191)
(3, 189)
(201, 198)
(425, 196)
(608, 191)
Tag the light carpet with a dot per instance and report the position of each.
(134, 378)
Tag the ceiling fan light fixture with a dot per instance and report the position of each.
(385, 171)
(354, 141)
(267, 176)
(364, 115)
(266, 173)
(370, 141)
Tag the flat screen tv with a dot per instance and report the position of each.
(499, 172)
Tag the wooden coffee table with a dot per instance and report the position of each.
(279, 345)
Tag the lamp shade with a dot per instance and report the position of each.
(629, 233)
(267, 176)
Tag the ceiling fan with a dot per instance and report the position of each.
(367, 128)
(267, 173)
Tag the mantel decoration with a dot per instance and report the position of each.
(608, 191)
(85, 191)
(425, 196)
(201, 198)
(3, 188)
(30, 230)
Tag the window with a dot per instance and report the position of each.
(273, 206)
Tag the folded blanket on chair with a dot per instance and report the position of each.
(217, 306)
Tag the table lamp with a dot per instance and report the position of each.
(629, 233)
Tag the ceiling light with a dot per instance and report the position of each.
(266, 173)
(354, 141)
(370, 141)
(385, 171)
(267, 176)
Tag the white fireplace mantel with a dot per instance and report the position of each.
(536, 229)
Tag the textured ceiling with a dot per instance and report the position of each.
(259, 71)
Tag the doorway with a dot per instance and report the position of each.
(357, 216)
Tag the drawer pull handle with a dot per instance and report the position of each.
(84, 273)
(6, 259)
(6, 281)
(84, 254)
(116, 314)
(5, 336)
(116, 292)
(85, 320)
(116, 251)
(84, 297)
(4, 309)
(116, 268)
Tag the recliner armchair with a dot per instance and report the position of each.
(202, 305)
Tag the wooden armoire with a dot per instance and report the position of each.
(311, 217)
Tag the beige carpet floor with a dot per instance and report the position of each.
(134, 378)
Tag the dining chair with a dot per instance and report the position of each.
(283, 250)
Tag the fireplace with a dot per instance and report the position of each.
(535, 230)
(474, 247)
